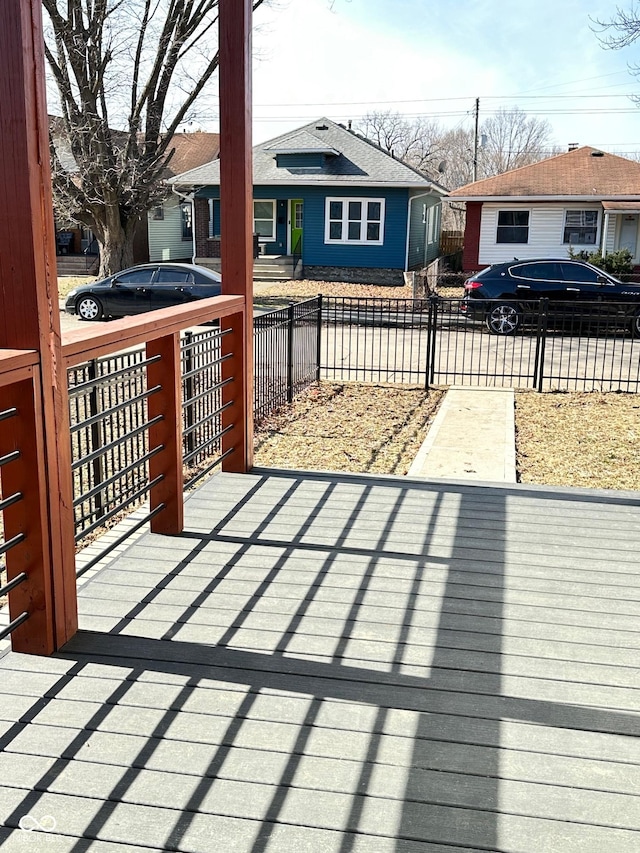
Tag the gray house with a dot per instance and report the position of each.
(328, 204)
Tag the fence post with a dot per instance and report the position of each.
(318, 336)
(431, 341)
(290, 320)
(541, 341)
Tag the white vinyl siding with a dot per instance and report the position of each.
(165, 235)
(546, 232)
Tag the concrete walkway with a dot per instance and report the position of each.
(471, 438)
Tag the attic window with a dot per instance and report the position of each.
(597, 153)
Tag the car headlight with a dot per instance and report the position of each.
(72, 293)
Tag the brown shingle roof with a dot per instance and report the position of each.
(583, 172)
(192, 150)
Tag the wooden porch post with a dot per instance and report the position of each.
(29, 314)
(236, 206)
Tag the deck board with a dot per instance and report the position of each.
(349, 664)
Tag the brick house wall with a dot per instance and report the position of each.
(471, 250)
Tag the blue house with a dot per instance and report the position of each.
(328, 205)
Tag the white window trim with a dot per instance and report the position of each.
(509, 210)
(343, 241)
(266, 238)
(596, 242)
(210, 228)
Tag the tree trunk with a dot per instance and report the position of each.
(116, 248)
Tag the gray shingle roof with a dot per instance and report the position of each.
(359, 162)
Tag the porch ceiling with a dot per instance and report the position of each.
(343, 663)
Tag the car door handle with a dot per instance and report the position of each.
(573, 290)
(523, 287)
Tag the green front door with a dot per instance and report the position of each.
(296, 226)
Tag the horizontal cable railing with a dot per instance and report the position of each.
(6, 545)
(202, 406)
(113, 417)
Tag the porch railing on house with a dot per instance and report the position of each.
(129, 406)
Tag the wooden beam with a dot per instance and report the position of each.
(24, 433)
(29, 315)
(166, 433)
(92, 341)
(236, 210)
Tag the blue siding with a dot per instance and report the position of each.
(390, 255)
(300, 161)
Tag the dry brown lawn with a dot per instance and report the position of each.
(563, 439)
(579, 439)
(348, 427)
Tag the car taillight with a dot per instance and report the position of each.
(472, 284)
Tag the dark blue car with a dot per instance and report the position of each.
(143, 288)
(504, 295)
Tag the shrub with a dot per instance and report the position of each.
(616, 263)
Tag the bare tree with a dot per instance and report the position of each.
(415, 142)
(621, 31)
(127, 74)
(512, 139)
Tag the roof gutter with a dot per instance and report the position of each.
(515, 199)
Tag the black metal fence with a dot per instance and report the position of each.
(286, 354)
(557, 345)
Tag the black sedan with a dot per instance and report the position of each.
(143, 288)
(503, 294)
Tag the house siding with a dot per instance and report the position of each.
(165, 235)
(317, 253)
(471, 250)
(422, 250)
(546, 232)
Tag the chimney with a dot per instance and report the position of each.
(573, 146)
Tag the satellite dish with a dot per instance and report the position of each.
(442, 165)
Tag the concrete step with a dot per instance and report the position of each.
(76, 265)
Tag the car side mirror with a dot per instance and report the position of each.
(602, 280)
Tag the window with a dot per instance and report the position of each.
(542, 271)
(579, 273)
(354, 220)
(174, 277)
(186, 213)
(158, 212)
(513, 226)
(264, 219)
(580, 227)
(143, 276)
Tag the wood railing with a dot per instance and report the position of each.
(23, 483)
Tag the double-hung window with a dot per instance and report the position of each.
(186, 218)
(580, 227)
(264, 219)
(354, 221)
(513, 226)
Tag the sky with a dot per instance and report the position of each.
(433, 58)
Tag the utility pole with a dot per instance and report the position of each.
(475, 140)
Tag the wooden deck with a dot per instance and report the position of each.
(336, 664)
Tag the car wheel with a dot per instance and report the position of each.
(88, 308)
(635, 325)
(503, 319)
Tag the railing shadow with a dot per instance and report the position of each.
(330, 672)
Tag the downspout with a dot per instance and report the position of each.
(605, 232)
(406, 251)
(189, 198)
